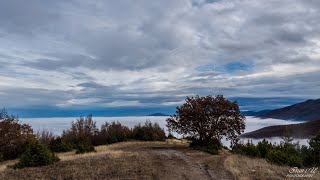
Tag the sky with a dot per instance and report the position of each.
(147, 56)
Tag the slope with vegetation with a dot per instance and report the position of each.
(304, 111)
(302, 130)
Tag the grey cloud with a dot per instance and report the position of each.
(26, 17)
(82, 41)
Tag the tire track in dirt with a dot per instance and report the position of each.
(185, 163)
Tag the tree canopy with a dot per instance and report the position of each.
(208, 119)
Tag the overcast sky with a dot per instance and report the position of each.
(100, 54)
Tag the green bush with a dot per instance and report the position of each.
(36, 155)
(248, 149)
(148, 132)
(84, 148)
(286, 153)
(57, 145)
(212, 148)
(315, 149)
(277, 157)
(307, 156)
(1, 157)
(263, 147)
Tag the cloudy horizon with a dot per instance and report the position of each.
(105, 54)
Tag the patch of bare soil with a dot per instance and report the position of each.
(181, 162)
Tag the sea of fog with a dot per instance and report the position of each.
(57, 125)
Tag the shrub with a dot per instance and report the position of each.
(286, 153)
(148, 132)
(57, 145)
(81, 132)
(112, 133)
(263, 147)
(45, 137)
(1, 157)
(84, 148)
(35, 155)
(13, 135)
(248, 149)
(277, 156)
(210, 148)
(315, 149)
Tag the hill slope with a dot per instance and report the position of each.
(302, 130)
(304, 111)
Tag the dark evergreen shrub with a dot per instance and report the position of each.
(212, 148)
(277, 157)
(286, 153)
(57, 145)
(263, 147)
(248, 149)
(35, 155)
(1, 157)
(315, 149)
(84, 148)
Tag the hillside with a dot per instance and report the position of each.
(302, 130)
(255, 113)
(130, 160)
(150, 160)
(304, 111)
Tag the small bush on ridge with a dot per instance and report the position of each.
(82, 131)
(84, 148)
(149, 132)
(57, 145)
(112, 133)
(212, 148)
(45, 137)
(36, 155)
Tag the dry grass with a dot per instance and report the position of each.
(247, 168)
(150, 160)
(106, 163)
(126, 160)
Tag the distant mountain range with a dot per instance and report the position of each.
(302, 130)
(255, 113)
(158, 114)
(304, 111)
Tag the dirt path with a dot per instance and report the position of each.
(174, 162)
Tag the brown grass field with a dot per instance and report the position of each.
(150, 160)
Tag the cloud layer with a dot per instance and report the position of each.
(80, 54)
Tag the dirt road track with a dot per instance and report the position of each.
(174, 162)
